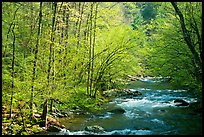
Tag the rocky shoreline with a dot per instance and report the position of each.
(54, 125)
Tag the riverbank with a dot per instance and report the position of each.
(117, 108)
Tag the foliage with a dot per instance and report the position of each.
(80, 49)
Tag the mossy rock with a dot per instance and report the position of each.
(95, 129)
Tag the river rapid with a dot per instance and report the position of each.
(152, 113)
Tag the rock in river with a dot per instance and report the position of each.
(181, 102)
(117, 110)
(53, 128)
(95, 129)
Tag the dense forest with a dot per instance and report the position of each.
(64, 55)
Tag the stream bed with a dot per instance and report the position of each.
(155, 112)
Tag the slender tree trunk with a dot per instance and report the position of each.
(35, 60)
(13, 64)
(78, 18)
(89, 81)
(66, 44)
(51, 49)
(86, 35)
(44, 114)
(80, 21)
(86, 31)
(94, 41)
(61, 40)
(11, 28)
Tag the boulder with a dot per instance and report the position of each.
(54, 122)
(181, 102)
(53, 128)
(95, 129)
(129, 92)
(117, 110)
(162, 110)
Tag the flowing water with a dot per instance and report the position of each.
(152, 113)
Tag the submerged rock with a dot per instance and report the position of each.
(135, 93)
(162, 110)
(95, 129)
(118, 110)
(181, 102)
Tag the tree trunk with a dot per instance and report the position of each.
(94, 41)
(79, 28)
(35, 60)
(13, 64)
(51, 56)
(89, 80)
(44, 114)
(66, 44)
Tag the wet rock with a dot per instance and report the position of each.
(95, 129)
(54, 122)
(162, 110)
(130, 93)
(144, 128)
(53, 128)
(117, 110)
(181, 102)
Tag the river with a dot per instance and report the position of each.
(152, 113)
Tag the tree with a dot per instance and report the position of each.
(52, 51)
(36, 57)
(90, 75)
(13, 64)
(191, 46)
